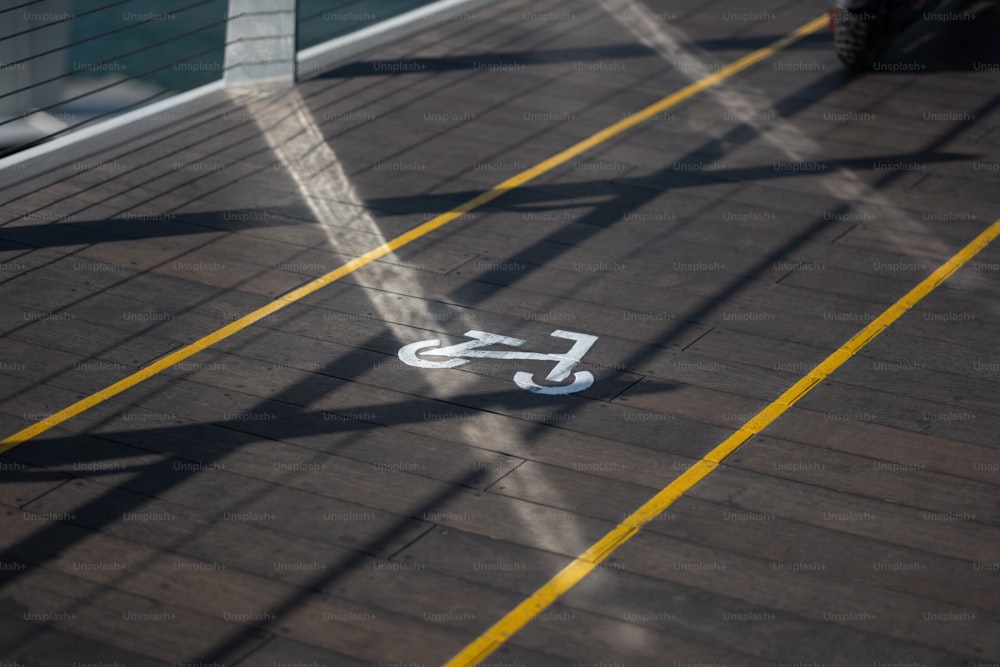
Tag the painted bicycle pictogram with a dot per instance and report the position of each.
(415, 354)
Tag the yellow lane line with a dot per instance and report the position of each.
(406, 238)
(585, 563)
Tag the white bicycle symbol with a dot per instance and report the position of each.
(463, 353)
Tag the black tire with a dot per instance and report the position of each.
(859, 38)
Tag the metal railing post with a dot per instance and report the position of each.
(260, 42)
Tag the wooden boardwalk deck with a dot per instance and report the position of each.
(295, 494)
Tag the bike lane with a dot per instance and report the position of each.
(483, 410)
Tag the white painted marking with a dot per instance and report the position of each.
(462, 353)
(753, 107)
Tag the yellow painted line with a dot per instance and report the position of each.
(406, 238)
(585, 563)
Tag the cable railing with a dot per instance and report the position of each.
(67, 64)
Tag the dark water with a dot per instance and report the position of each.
(178, 45)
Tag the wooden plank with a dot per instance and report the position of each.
(161, 522)
(901, 365)
(744, 606)
(794, 547)
(136, 624)
(62, 332)
(867, 438)
(903, 483)
(950, 420)
(813, 595)
(285, 650)
(21, 484)
(614, 595)
(28, 643)
(939, 533)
